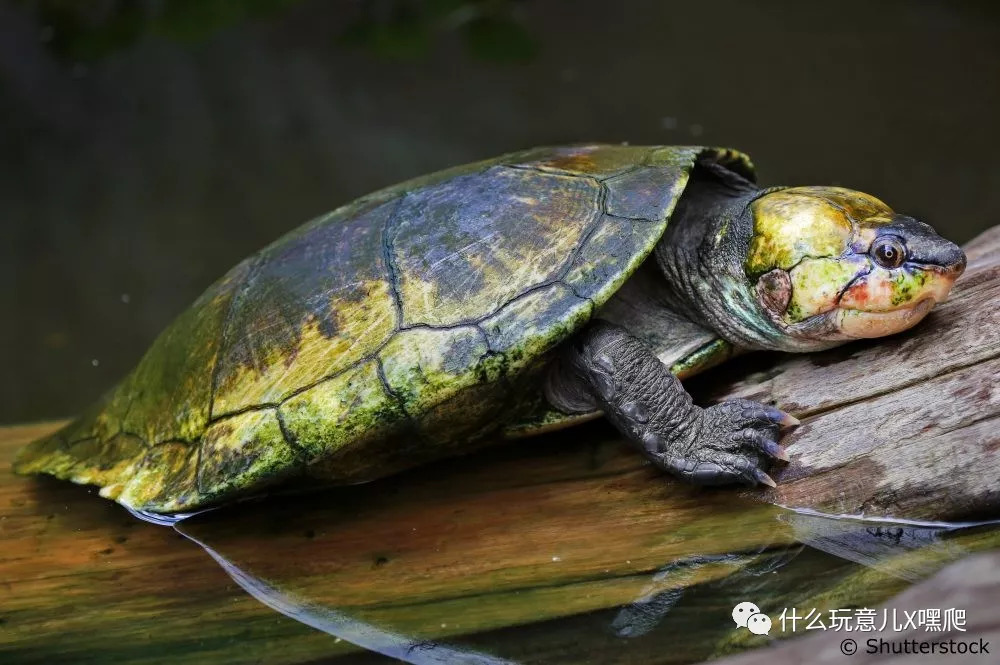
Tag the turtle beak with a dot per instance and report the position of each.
(957, 265)
(940, 257)
(927, 248)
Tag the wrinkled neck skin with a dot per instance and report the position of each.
(703, 255)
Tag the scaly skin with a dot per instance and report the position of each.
(726, 443)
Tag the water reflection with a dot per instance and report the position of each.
(579, 557)
(880, 544)
(666, 588)
(341, 625)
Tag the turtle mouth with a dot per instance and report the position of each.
(864, 309)
(860, 324)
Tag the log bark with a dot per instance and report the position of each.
(540, 546)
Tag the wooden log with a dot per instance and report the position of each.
(541, 547)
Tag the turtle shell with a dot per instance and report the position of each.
(389, 332)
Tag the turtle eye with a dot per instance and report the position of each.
(888, 251)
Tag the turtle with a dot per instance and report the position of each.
(496, 300)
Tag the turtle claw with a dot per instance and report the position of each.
(781, 418)
(775, 451)
(763, 478)
(788, 420)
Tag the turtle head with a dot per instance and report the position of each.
(829, 264)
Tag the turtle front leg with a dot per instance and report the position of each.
(606, 368)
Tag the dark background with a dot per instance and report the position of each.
(146, 147)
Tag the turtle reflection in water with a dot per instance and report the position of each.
(501, 299)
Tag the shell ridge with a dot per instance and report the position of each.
(389, 255)
(396, 397)
(198, 465)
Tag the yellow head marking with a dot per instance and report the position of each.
(800, 222)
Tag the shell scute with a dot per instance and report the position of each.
(607, 256)
(164, 479)
(313, 305)
(648, 193)
(469, 245)
(352, 408)
(534, 324)
(168, 395)
(245, 450)
(424, 367)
